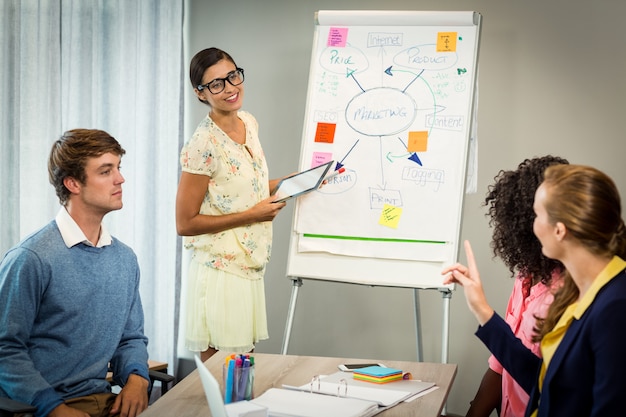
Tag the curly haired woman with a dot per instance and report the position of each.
(581, 369)
(510, 207)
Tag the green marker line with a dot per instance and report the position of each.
(373, 239)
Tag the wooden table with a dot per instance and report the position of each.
(187, 399)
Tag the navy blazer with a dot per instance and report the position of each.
(587, 374)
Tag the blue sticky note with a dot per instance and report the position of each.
(377, 371)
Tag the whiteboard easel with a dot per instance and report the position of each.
(391, 98)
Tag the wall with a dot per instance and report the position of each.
(551, 82)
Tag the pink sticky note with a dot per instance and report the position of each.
(320, 158)
(337, 37)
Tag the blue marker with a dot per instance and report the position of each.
(228, 389)
(243, 383)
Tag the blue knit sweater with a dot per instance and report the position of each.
(65, 313)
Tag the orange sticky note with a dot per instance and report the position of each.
(325, 132)
(446, 41)
(418, 141)
(390, 216)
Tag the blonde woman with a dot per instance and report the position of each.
(578, 222)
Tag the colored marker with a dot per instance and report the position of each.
(237, 378)
(250, 379)
(335, 173)
(230, 376)
(243, 382)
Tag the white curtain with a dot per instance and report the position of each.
(114, 65)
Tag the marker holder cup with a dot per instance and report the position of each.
(239, 386)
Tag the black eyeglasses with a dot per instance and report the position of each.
(219, 84)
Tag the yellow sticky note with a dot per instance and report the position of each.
(418, 141)
(390, 216)
(446, 41)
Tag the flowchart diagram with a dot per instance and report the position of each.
(391, 106)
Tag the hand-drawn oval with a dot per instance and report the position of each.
(425, 57)
(381, 111)
(340, 183)
(343, 61)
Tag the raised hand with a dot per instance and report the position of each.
(469, 278)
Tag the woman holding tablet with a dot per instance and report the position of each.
(224, 210)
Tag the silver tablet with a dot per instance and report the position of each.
(302, 182)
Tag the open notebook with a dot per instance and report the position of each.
(386, 395)
(290, 403)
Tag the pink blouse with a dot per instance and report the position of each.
(520, 315)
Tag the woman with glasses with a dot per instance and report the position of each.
(225, 211)
(579, 223)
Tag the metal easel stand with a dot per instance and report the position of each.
(418, 325)
(445, 293)
(445, 327)
(296, 284)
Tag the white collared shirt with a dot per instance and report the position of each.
(73, 235)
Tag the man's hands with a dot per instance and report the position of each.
(133, 398)
(131, 401)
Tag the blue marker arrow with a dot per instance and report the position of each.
(415, 159)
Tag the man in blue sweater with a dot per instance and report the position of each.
(69, 295)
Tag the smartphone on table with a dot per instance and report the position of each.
(349, 367)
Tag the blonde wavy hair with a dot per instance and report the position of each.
(588, 203)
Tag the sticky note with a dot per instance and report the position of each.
(446, 41)
(325, 132)
(418, 141)
(378, 374)
(337, 37)
(320, 158)
(378, 371)
(390, 216)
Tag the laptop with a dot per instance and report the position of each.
(216, 402)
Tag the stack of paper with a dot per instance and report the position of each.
(378, 374)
